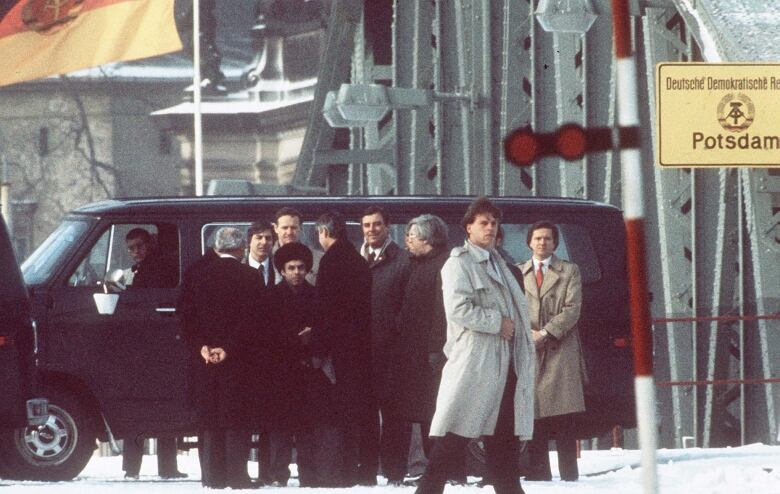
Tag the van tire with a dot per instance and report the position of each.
(57, 450)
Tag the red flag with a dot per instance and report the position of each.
(39, 38)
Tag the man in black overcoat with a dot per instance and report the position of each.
(342, 332)
(389, 265)
(224, 308)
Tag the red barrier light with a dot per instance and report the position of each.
(521, 147)
(570, 142)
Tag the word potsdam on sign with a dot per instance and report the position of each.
(718, 114)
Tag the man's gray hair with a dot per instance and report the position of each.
(431, 229)
(229, 238)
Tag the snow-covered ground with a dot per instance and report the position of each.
(753, 469)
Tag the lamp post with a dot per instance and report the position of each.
(565, 16)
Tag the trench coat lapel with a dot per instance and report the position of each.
(482, 258)
(550, 278)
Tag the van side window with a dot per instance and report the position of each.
(147, 255)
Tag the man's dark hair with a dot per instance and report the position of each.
(334, 224)
(287, 211)
(139, 233)
(376, 210)
(260, 227)
(538, 226)
(481, 205)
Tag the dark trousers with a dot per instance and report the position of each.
(133, 453)
(318, 456)
(545, 430)
(502, 451)
(274, 455)
(458, 464)
(224, 455)
(386, 437)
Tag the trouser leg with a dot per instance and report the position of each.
(212, 444)
(236, 449)
(502, 448)
(166, 456)
(264, 458)
(368, 440)
(539, 455)
(280, 456)
(396, 436)
(457, 466)
(305, 445)
(132, 454)
(329, 463)
(447, 451)
(567, 458)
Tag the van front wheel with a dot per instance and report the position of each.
(57, 450)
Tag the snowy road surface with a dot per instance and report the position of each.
(753, 469)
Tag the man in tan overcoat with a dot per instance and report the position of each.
(486, 386)
(554, 291)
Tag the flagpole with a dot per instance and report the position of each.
(196, 99)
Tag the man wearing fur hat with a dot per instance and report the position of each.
(300, 401)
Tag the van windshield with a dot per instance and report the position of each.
(42, 263)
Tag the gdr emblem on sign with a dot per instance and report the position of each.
(736, 112)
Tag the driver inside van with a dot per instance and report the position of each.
(150, 270)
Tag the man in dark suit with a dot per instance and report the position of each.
(389, 265)
(342, 332)
(224, 308)
(261, 239)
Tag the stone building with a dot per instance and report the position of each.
(125, 129)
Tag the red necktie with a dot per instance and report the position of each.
(539, 276)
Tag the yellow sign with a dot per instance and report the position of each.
(724, 114)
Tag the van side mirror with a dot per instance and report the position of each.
(115, 281)
(106, 302)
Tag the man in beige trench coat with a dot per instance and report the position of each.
(487, 383)
(554, 290)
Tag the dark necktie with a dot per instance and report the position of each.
(261, 269)
(371, 257)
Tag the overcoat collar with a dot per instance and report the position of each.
(482, 255)
(388, 251)
(550, 277)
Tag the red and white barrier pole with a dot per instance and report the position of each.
(634, 214)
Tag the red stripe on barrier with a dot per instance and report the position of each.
(718, 382)
(640, 313)
(621, 27)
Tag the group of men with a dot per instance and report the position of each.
(337, 354)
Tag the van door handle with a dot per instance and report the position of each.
(165, 310)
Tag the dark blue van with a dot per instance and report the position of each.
(124, 374)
